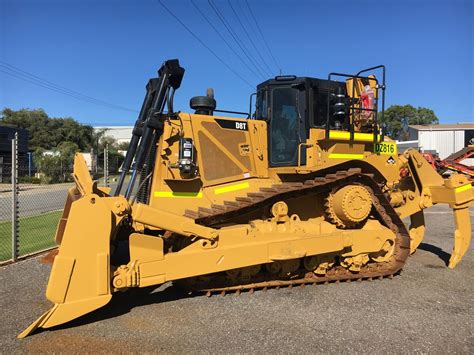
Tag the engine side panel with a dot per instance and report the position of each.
(231, 160)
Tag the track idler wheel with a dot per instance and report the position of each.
(349, 206)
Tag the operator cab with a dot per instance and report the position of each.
(292, 105)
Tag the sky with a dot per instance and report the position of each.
(108, 49)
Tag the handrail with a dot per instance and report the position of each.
(351, 107)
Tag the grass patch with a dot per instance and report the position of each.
(35, 233)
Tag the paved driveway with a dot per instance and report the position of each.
(35, 199)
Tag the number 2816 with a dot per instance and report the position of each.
(385, 148)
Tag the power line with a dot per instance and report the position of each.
(263, 37)
(250, 25)
(235, 37)
(223, 38)
(36, 80)
(52, 88)
(205, 45)
(59, 91)
(249, 37)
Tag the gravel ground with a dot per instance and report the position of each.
(428, 308)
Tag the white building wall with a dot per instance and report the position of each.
(404, 145)
(119, 133)
(443, 142)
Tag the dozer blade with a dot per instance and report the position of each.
(462, 235)
(37, 323)
(84, 186)
(80, 276)
(63, 313)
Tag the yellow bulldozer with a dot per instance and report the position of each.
(304, 188)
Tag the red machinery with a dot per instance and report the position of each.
(453, 162)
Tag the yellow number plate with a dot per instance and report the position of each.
(386, 148)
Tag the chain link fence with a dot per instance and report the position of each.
(31, 206)
(6, 200)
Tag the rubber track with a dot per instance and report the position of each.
(220, 214)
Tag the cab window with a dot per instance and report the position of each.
(262, 106)
(284, 127)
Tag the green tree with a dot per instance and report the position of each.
(396, 115)
(56, 165)
(97, 135)
(46, 132)
(107, 141)
(115, 158)
(123, 146)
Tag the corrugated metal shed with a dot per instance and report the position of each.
(444, 127)
(444, 139)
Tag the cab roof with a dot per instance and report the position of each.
(290, 80)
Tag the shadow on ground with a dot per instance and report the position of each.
(436, 251)
(123, 303)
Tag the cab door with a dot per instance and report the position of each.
(287, 127)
